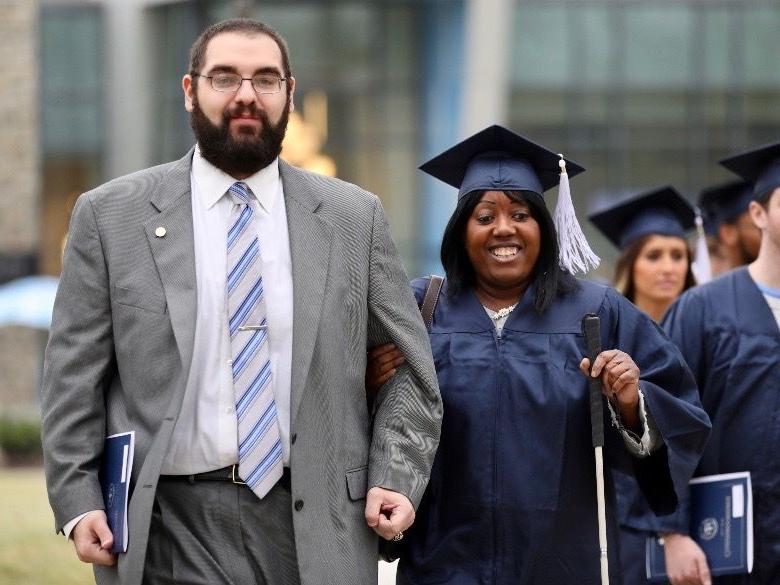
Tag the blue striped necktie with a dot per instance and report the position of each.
(259, 441)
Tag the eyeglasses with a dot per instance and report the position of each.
(262, 83)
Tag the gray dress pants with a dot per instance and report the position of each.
(217, 532)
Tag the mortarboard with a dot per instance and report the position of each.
(662, 211)
(723, 203)
(497, 159)
(760, 166)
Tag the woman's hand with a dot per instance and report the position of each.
(381, 366)
(619, 382)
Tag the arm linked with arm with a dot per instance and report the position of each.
(408, 410)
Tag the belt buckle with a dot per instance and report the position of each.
(234, 475)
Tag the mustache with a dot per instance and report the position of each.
(242, 110)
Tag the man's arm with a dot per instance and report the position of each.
(683, 322)
(408, 410)
(78, 364)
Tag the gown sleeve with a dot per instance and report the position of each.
(671, 398)
(684, 323)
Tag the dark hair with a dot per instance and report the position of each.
(244, 26)
(550, 279)
(624, 269)
(764, 198)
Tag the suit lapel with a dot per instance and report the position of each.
(310, 245)
(171, 240)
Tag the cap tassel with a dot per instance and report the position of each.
(575, 254)
(701, 267)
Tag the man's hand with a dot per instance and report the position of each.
(388, 512)
(685, 561)
(93, 539)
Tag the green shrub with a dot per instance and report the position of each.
(20, 436)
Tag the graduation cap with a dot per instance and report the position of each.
(497, 159)
(724, 203)
(760, 166)
(662, 211)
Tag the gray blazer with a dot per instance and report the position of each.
(121, 345)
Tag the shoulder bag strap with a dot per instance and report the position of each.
(430, 299)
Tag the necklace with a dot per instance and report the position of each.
(501, 313)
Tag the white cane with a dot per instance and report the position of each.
(591, 332)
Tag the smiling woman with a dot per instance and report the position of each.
(512, 495)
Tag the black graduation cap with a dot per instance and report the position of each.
(724, 202)
(498, 159)
(662, 211)
(760, 166)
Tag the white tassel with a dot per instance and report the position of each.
(701, 267)
(575, 254)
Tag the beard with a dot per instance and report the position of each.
(248, 151)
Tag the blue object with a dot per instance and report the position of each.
(116, 466)
(498, 159)
(721, 524)
(512, 494)
(724, 203)
(28, 301)
(760, 166)
(661, 211)
(730, 340)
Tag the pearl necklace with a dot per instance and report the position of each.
(501, 313)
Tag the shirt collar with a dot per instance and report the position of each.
(213, 183)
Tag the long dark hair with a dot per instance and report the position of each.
(624, 269)
(550, 279)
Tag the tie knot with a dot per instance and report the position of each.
(239, 192)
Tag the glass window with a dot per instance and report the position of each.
(71, 77)
(717, 47)
(72, 128)
(762, 46)
(540, 51)
(658, 45)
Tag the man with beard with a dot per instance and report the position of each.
(220, 307)
(732, 237)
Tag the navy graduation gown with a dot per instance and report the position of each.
(730, 339)
(511, 499)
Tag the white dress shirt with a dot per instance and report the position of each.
(206, 433)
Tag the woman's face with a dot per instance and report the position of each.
(502, 242)
(660, 269)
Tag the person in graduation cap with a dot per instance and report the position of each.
(512, 496)
(728, 333)
(652, 271)
(732, 236)
(654, 266)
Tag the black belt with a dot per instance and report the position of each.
(229, 473)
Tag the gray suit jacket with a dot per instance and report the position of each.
(121, 344)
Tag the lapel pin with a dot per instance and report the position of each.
(160, 232)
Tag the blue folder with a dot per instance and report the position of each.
(721, 524)
(114, 476)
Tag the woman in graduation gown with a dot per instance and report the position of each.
(512, 496)
(652, 271)
(728, 332)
